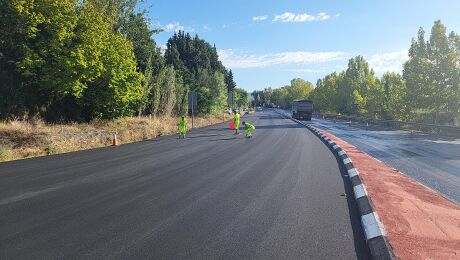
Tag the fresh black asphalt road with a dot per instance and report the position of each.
(213, 195)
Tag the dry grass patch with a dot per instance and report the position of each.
(21, 139)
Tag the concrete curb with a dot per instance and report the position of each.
(373, 229)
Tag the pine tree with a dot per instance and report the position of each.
(198, 65)
(229, 81)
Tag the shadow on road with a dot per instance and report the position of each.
(224, 139)
(278, 126)
(259, 127)
(218, 129)
(269, 117)
(203, 136)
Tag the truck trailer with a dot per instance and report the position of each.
(302, 109)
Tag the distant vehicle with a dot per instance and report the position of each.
(302, 109)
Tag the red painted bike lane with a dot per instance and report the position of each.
(419, 222)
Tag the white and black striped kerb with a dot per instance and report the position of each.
(373, 228)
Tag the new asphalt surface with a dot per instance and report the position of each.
(214, 195)
(431, 159)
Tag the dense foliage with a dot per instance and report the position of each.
(78, 60)
(428, 90)
(197, 63)
(298, 89)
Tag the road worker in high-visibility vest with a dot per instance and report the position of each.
(182, 124)
(249, 129)
(236, 121)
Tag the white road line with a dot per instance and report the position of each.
(341, 153)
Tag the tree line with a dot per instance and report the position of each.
(427, 90)
(76, 60)
(298, 89)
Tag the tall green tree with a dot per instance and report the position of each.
(258, 98)
(16, 98)
(181, 96)
(443, 68)
(359, 86)
(43, 37)
(199, 67)
(229, 81)
(325, 95)
(431, 73)
(454, 99)
(149, 59)
(241, 95)
(114, 86)
(280, 97)
(395, 91)
(416, 75)
(164, 95)
(66, 53)
(299, 89)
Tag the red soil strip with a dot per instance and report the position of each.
(420, 223)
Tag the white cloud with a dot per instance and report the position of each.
(207, 28)
(260, 18)
(389, 61)
(297, 18)
(175, 27)
(163, 48)
(303, 70)
(232, 59)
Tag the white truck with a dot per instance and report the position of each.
(302, 109)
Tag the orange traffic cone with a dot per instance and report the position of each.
(114, 139)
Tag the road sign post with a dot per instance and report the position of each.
(192, 105)
(356, 108)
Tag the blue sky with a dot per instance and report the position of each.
(268, 43)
